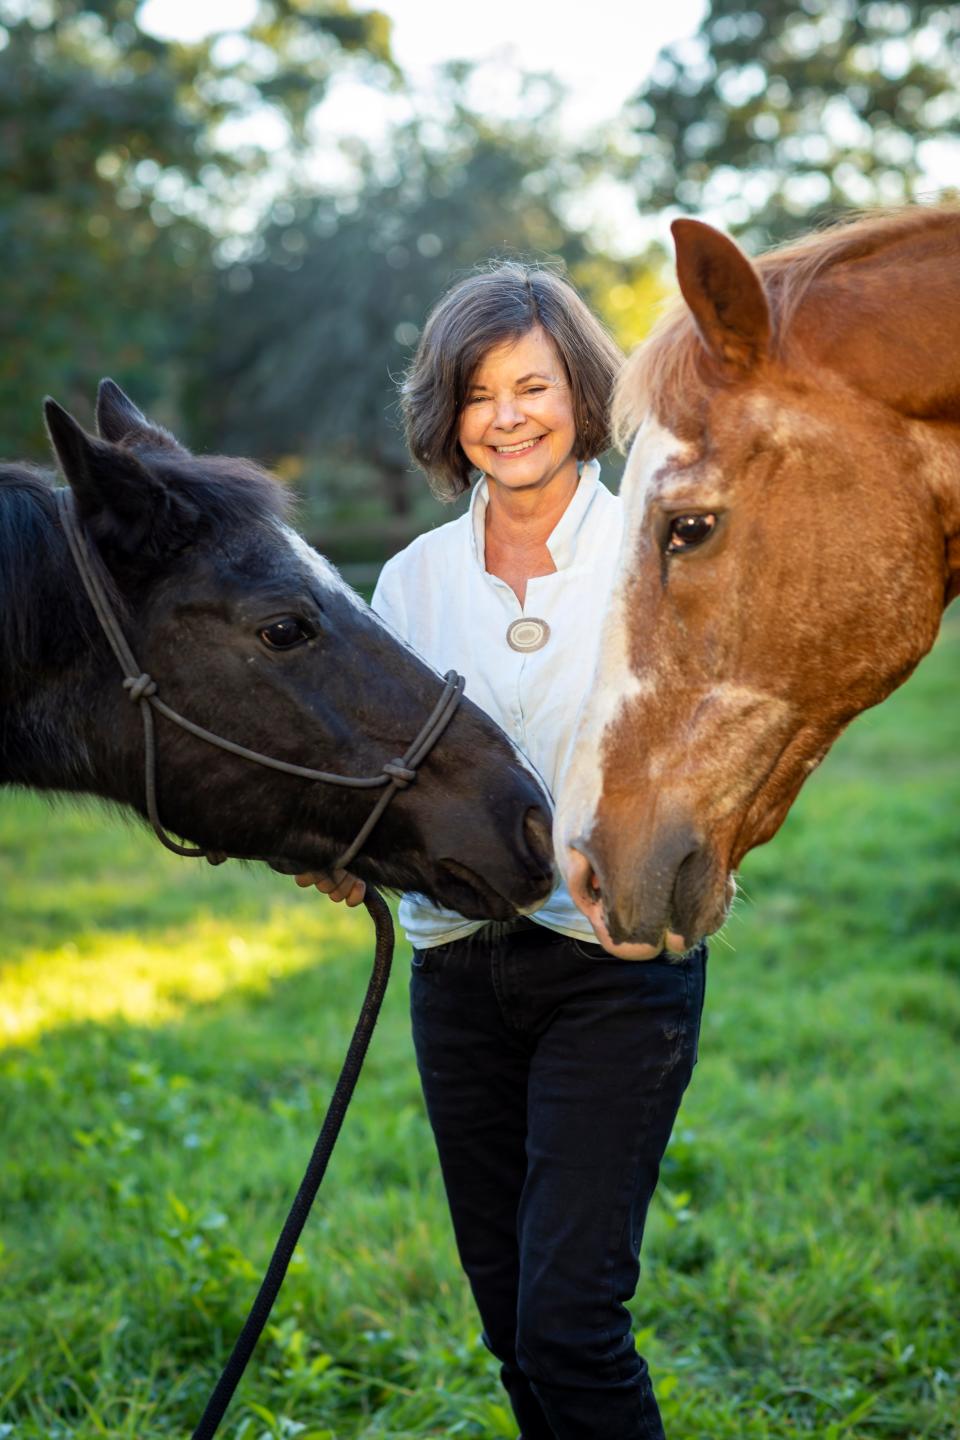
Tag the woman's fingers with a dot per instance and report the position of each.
(346, 887)
(357, 891)
(341, 885)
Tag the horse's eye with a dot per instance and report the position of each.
(284, 634)
(687, 531)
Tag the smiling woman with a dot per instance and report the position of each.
(509, 331)
(517, 422)
(552, 1072)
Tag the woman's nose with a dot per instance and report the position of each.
(509, 415)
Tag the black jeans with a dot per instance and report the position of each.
(553, 1074)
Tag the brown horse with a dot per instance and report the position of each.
(792, 537)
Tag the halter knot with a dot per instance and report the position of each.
(400, 774)
(141, 687)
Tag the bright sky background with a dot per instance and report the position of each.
(602, 49)
(602, 52)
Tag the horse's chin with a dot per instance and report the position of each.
(467, 893)
(287, 867)
(455, 886)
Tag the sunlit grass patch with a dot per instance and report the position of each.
(154, 979)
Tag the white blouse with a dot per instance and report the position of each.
(438, 596)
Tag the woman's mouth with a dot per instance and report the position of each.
(521, 447)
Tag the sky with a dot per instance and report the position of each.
(603, 59)
(602, 51)
(601, 63)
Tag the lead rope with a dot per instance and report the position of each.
(395, 775)
(310, 1184)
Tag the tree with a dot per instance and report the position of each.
(779, 113)
(112, 167)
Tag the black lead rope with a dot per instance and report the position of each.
(310, 1184)
(394, 775)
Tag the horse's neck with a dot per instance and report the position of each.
(889, 324)
(889, 321)
(952, 510)
(47, 672)
(47, 723)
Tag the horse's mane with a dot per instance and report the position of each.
(229, 495)
(26, 518)
(667, 366)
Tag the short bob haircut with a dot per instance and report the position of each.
(487, 309)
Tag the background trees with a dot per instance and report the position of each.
(118, 172)
(262, 301)
(782, 113)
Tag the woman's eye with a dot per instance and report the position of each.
(687, 531)
(284, 634)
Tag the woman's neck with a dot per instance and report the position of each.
(527, 517)
(519, 523)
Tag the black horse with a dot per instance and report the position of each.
(253, 635)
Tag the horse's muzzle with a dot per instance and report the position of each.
(644, 896)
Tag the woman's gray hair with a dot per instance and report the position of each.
(485, 310)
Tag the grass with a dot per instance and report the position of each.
(170, 1036)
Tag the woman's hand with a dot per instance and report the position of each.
(341, 885)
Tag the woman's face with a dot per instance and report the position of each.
(517, 423)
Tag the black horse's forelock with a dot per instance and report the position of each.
(228, 493)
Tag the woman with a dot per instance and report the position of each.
(552, 1072)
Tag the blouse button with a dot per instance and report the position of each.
(528, 633)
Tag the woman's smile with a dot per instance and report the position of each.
(519, 447)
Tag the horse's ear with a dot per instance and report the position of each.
(120, 420)
(725, 294)
(126, 506)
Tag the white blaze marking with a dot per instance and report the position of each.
(320, 568)
(615, 684)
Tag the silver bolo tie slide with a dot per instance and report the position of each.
(527, 634)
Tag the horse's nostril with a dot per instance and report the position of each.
(538, 834)
(582, 878)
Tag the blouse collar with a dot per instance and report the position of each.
(562, 540)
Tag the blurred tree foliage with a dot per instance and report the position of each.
(310, 338)
(780, 113)
(126, 159)
(112, 165)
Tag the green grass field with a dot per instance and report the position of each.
(170, 1034)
